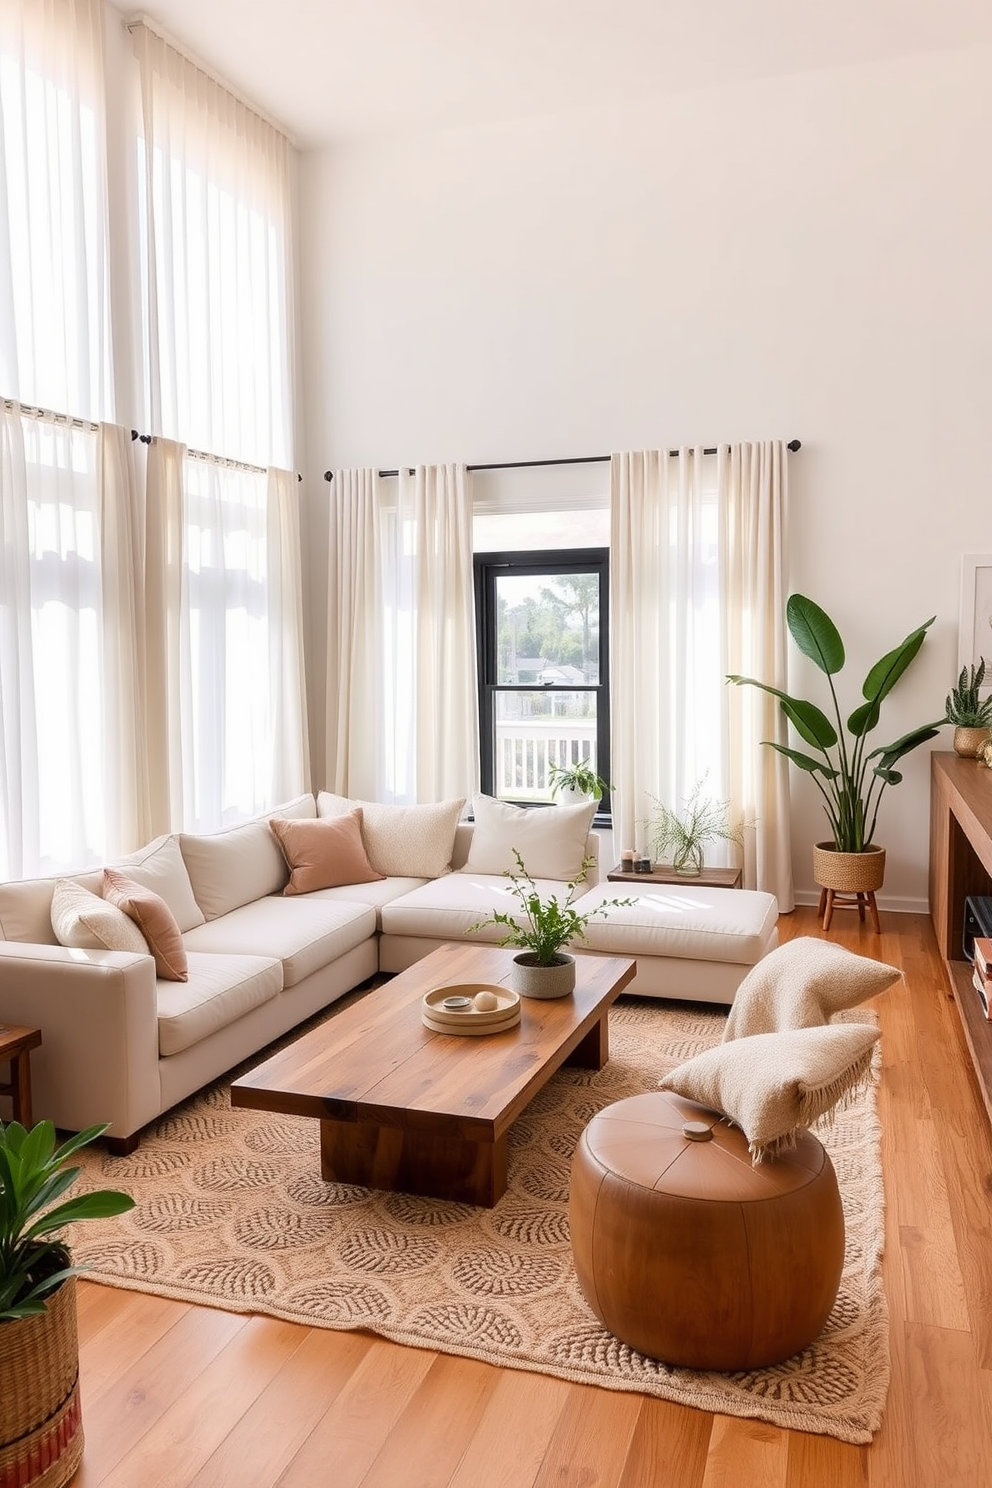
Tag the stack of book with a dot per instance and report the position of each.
(982, 976)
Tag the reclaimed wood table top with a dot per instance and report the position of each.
(377, 1061)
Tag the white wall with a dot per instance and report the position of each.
(803, 257)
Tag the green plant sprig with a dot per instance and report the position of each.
(34, 1173)
(684, 833)
(965, 707)
(851, 786)
(547, 924)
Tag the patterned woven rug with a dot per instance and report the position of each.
(232, 1212)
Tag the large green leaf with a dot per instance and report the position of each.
(886, 673)
(815, 633)
(804, 761)
(809, 721)
(888, 754)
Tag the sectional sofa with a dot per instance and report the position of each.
(127, 1033)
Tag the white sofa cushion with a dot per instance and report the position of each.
(447, 908)
(403, 841)
(735, 925)
(220, 990)
(228, 869)
(551, 840)
(84, 921)
(160, 867)
(305, 933)
(377, 893)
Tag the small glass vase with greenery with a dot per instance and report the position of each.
(34, 1174)
(547, 925)
(683, 835)
(581, 779)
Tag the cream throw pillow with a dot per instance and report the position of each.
(88, 923)
(772, 1085)
(403, 841)
(803, 983)
(552, 840)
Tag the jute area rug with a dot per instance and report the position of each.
(231, 1211)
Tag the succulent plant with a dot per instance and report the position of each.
(965, 707)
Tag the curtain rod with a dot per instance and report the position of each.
(793, 445)
(212, 459)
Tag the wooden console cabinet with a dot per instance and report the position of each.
(961, 864)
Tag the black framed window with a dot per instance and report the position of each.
(542, 625)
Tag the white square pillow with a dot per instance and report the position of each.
(403, 841)
(804, 983)
(160, 867)
(228, 869)
(88, 923)
(552, 840)
(772, 1085)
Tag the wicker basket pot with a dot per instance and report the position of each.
(848, 872)
(41, 1429)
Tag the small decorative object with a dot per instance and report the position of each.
(543, 969)
(471, 1010)
(985, 753)
(485, 1002)
(685, 833)
(577, 782)
(970, 713)
(627, 859)
(40, 1420)
(642, 865)
(850, 779)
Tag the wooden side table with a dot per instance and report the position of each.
(15, 1050)
(664, 873)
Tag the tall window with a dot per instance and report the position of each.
(542, 625)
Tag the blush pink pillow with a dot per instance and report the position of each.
(325, 853)
(154, 919)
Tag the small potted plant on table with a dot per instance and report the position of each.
(970, 713)
(543, 968)
(685, 833)
(40, 1418)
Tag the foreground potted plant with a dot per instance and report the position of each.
(970, 713)
(543, 969)
(850, 778)
(685, 833)
(577, 782)
(41, 1434)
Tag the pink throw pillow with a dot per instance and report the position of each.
(154, 919)
(326, 853)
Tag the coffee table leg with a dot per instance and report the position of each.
(434, 1165)
(594, 1050)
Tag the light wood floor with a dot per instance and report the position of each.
(186, 1396)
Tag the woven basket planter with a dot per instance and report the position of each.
(41, 1430)
(848, 872)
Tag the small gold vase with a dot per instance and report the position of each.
(969, 742)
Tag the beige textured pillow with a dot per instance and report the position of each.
(87, 922)
(803, 983)
(773, 1084)
(403, 841)
(154, 919)
(552, 840)
(324, 854)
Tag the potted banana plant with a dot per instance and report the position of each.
(40, 1421)
(850, 776)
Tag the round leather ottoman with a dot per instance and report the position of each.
(689, 1254)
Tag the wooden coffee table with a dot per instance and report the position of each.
(403, 1108)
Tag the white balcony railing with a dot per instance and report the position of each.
(526, 748)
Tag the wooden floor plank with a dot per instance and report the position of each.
(669, 1445)
(592, 1440)
(432, 1434)
(514, 1433)
(746, 1452)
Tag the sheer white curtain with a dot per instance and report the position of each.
(402, 707)
(697, 560)
(216, 256)
(71, 748)
(753, 485)
(54, 276)
(355, 697)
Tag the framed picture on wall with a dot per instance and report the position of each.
(975, 630)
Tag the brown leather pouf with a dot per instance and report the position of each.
(688, 1253)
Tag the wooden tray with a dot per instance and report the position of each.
(470, 1020)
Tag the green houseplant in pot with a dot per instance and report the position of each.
(577, 782)
(969, 712)
(850, 777)
(39, 1357)
(545, 927)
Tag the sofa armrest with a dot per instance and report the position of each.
(98, 1059)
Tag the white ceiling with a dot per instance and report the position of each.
(335, 70)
